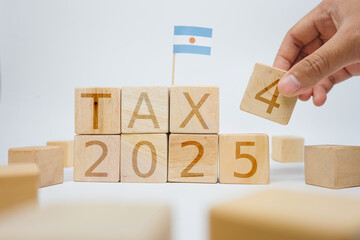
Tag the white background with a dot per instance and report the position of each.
(48, 48)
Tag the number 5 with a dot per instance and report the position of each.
(247, 156)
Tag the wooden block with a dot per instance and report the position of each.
(244, 158)
(287, 149)
(194, 109)
(262, 97)
(68, 147)
(48, 158)
(97, 158)
(90, 222)
(144, 158)
(281, 215)
(97, 110)
(193, 158)
(18, 185)
(332, 166)
(145, 110)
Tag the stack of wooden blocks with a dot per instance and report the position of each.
(157, 134)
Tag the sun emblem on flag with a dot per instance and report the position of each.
(192, 40)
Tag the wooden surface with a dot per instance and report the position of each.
(97, 158)
(193, 158)
(194, 109)
(18, 185)
(262, 97)
(332, 166)
(144, 158)
(68, 147)
(281, 215)
(90, 222)
(48, 158)
(97, 110)
(145, 110)
(287, 149)
(244, 158)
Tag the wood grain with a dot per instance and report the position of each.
(262, 87)
(145, 110)
(18, 185)
(287, 149)
(97, 110)
(194, 109)
(49, 159)
(97, 158)
(244, 158)
(332, 166)
(68, 148)
(144, 158)
(193, 158)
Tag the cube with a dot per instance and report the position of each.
(144, 158)
(244, 158)
(193, 158)
(194, 109)
(283, 215)
(18, 185)
(50, 160)
(145, 110)
(90, 221)
(332, 166)
(262, 97)
(97, 158)
(97, 110)
(287, 149)
(68, 147)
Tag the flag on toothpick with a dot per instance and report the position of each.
(193, 40)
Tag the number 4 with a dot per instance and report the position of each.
(272, 103)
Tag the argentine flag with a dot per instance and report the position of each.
(195, 40)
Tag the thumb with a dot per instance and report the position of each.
(329, 58)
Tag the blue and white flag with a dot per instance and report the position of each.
(195, 40)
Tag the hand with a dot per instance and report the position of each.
(322, 49)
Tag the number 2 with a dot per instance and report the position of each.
(248, 156)
(185, 172)
(272, 103)
(89, 172)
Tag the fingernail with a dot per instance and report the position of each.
(289, 85)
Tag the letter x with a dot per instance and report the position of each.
(195, 110)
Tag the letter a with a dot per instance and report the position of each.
(136, 115)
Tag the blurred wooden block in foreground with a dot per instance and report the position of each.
(287, 149)
(49, 159)
(262, 96)
(18, 185)
(68, 147)
(281, 215)
(332, 166)
(90, 222)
